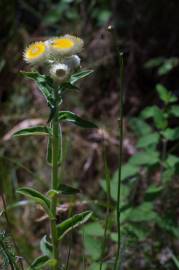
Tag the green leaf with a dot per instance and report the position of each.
(41, 262)
(152, 192)
(46, 247)
(139, 126)
(139, 231)
(128, 171)
(159, 119)
(175, 260)
(73, 118)
(38, 130)
(174, 110)
(93, 229)
(168, 65)
(68, 86)
(168, 224)
(35, 196)
(148, 139)
(168, 174)
(68, 190)
(125, 188)
(80, 75)
(172, 161)
(44, 83)
(144, 212)
(145, 158)
(97, 265)
(154, 62)
(92, 246)
(72, 222)
(171, 134)
(63, 190)
(149, 112)
(164, 94)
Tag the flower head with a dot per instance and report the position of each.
(35, 53)
(73, 62)
(79, 43)
(65, 46)
(59, 72)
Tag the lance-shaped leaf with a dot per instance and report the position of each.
(46, 247)
(79, 75)
(44, 83)
(63, 190)
(71, 223)
(68, 190)
(37, 131)
(41, 262)
(37, 197)
(75, 119)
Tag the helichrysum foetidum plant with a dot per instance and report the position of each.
(58, 56)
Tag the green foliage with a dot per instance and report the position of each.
(46, 247)
(60, 11)
(174, 110)
(63, 190)
(38, 130)
(53, 94)
(149, 157)
(75, 119)
(45, 85)
(139, 126)
(37, 197)
(42, 261)
(75, 77)
(164, 94)
(163, 65)
(72, 222)
(140, 219)
(7, 253)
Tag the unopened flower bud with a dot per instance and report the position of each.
(59, 72)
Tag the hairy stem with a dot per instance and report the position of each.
(54, 180)
(120, 159)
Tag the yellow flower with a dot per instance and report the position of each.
(78, 43)
(35, 53)
(65, 46)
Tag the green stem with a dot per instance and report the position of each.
(118, 216)
(107, 219)
(54, 180)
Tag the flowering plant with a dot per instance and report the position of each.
(59, 57)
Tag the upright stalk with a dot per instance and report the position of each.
(118, 216)
(54, 180)
(107, 219)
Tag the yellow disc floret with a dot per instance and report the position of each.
(35, 53)
(77, 41)
(65, 46)
(62, 43)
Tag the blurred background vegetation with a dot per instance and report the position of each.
(147, 33)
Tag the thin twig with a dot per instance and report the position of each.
(120, 156)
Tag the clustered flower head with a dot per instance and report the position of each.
(60, 53)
